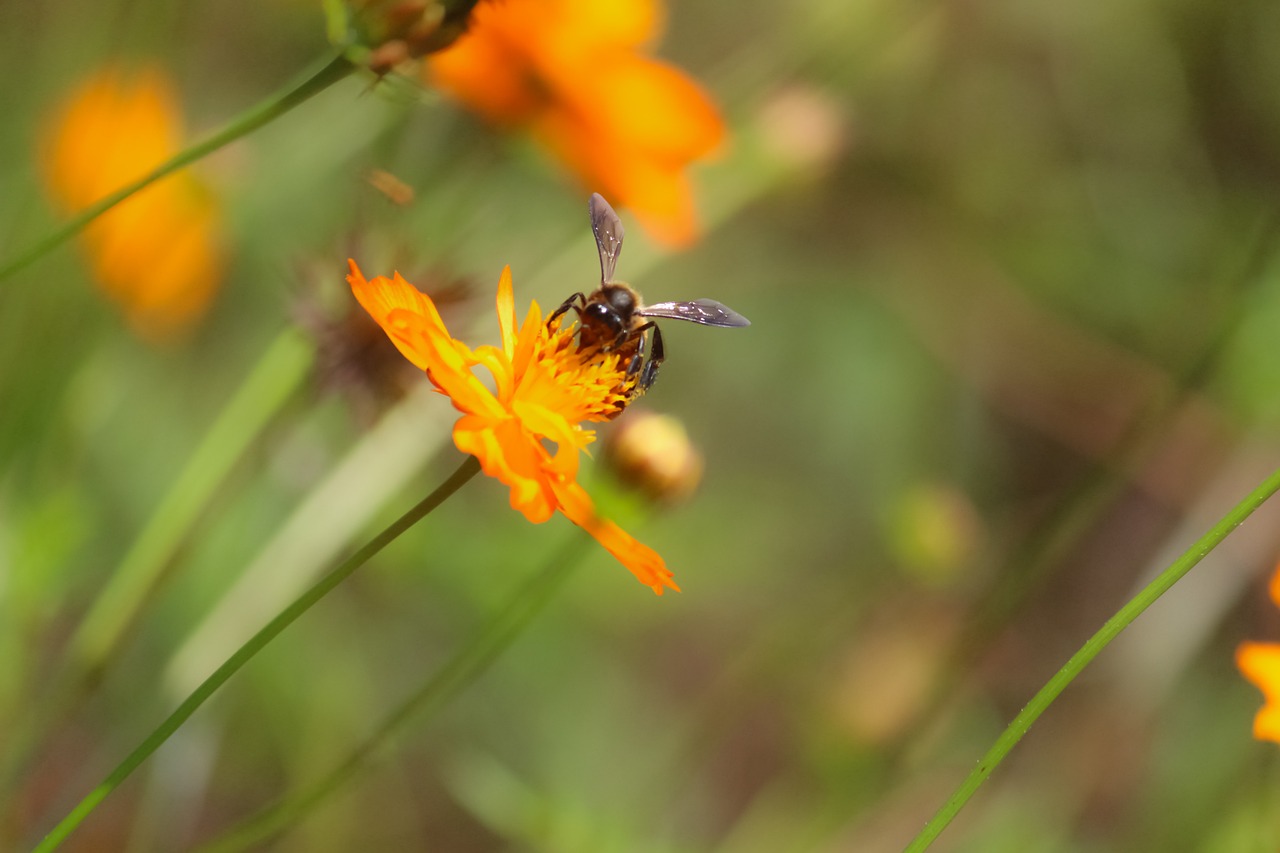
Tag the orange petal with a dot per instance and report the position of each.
(488, 70)
(547, 423)
(1260, 664)
(511, 457)
(656, 190)
(527, 340)
(497, 363)
(1274, 587)
(648, 106)
(507, 313)
(382, 296)
(411, 320)
(581, 25)
(410, 332)
(645, 563)
(662, 200)
(449, 364)
(571, 71)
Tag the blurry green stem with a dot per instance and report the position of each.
(315, 81)
(277, 375)
(1117, 623)
(469, 468)
(463, 668)
(269, 385)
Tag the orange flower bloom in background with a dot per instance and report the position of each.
(1260, 664)
(544, 390)
(573, 73)
(157, 253)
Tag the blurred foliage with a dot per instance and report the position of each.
(1014, 283)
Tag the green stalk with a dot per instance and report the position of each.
(1099, 641)
(313, 82)
(468, 469)
(268, 387)
(461, 670)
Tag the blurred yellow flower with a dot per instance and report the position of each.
(573, 73)
(544, 389)
(1260, 664)
(158, 253)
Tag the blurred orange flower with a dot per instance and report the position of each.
(157, 253)
(1260, 664)
(573, 73)
(545, 388)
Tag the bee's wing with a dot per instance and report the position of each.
(708, 312)
(609, 233)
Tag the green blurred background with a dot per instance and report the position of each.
(1014, 282)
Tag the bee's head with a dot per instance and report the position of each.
(613, 306)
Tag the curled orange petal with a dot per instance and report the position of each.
(382, 296)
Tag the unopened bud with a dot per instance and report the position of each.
(396, 31)
(653, 453)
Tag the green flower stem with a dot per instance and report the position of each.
(330, 71)
(270, 384)
(278, 374)
(1084, 502)
(1099, 641)
(469, 468)
(459, 672)
(323, 527)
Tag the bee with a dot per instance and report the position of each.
(613, 319)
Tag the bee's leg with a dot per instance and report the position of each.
(571, 302)
(638, 360)
(657, 353)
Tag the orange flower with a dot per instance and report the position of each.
(545, 388)
(1260, 664)
(572, 72)
(157, 253)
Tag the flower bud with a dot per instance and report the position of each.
(396, 31)
(653, 453)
